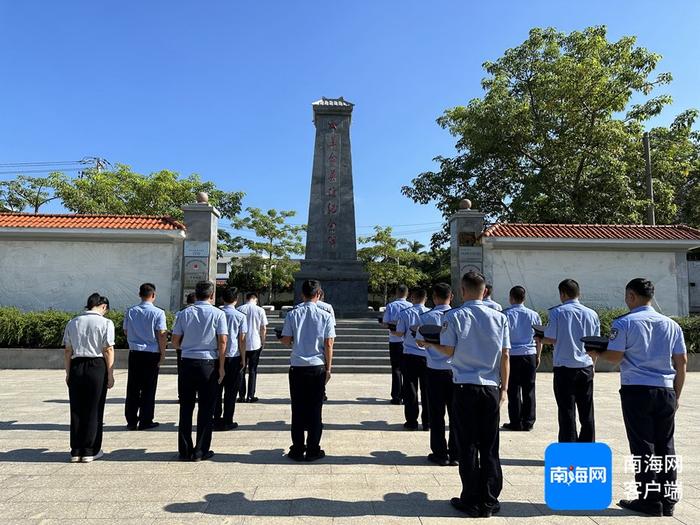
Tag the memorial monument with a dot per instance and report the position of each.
(331, 246)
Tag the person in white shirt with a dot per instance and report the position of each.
(89, 359)
(254, 343)
(488, 301)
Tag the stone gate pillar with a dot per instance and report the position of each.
(199, 252)
(465, 254)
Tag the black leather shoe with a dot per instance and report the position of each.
(296, 455)
(438, 460)
(470, 510)
(667, 508)
(147, 426)
(511, 426)
(410, 426)
(131, 427)
(241, 400)
(231, 426)
(318, 455)
(252, 400)
(453, 462)
(207, 455)
(650, 508)
(489, 510)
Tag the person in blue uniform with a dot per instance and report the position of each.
(439, 384)
(146, 332)
(650, 349)
(235, 362)
(391, 315)
(488, 300)
(573, 367)
(201, 332)
(190, 299)
(476, 338)
(415, 367)
(525, 353)
(309, 331)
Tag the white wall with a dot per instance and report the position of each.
(42, 274)
(602, 275)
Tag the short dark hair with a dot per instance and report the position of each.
(642, 287)
(95, 300)
(250, 295)
(517, 293)
(442, 291)
(310, 288)
(190, 299)
(473, 280)
(203, 290)
(489, 288)
(230, 295)
(147, 290)
(401, 290)
(569, 288)
(418, 293)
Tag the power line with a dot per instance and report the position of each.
(22, 172)
(47, 163)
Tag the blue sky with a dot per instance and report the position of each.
(224, 88)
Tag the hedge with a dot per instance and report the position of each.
(20, 329)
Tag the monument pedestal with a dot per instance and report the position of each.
(344, 284)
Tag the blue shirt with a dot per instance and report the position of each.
(199, 325)
(391, 315)
(142, 324)
(436, 360)
(408, 318)
(568, 323)
(237, 324)
(522, 336)
(309, 326)
(478, 334)
(649, 340)
(492, 304)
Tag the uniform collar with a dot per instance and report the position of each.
(145, 303)
(473, 301)
(308, 303)
(571, 301)
(229, 306)
(202, 303)
(417, 304)
(441, 307)
(90, 312)
(517, 305)
(645, 308)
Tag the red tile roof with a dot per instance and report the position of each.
(89, 221)
(594, 231)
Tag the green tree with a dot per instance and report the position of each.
(248, 273)
(26, 193)
(556, 137)
(275, 241)
(389, 261)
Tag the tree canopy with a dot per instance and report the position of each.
(557, 137)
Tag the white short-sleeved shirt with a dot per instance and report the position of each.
(199, 325)
(89, 334)
(142, 324)
(391, 315)
(649, 341)
(256, 318)
(478, 334)
(237, 325)
(309, 327)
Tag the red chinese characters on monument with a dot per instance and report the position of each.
(332, 160)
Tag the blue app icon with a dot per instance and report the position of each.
(578, 476)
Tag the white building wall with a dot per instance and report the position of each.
(43, 274)
(602, 275)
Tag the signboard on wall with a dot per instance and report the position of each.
(196, 269)
(196, 249)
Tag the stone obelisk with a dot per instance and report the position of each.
(331, 245)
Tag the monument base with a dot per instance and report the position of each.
(345, 284)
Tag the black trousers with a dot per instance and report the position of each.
(307, 386)
(141, 387)
(440, 394)
(649, 415)
(87, 391)
(228, 390)
(414, 377)
(396, 357)
(573, 389)
(521, 390)
(476, 418)
(197, 381)
(252, 359)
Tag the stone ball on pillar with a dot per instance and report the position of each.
(202, 197)
(465, 204)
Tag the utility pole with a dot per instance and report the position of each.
(651, 219)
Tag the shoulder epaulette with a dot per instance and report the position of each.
(553, 307)
(621, 316)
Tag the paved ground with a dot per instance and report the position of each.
(375, 471)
